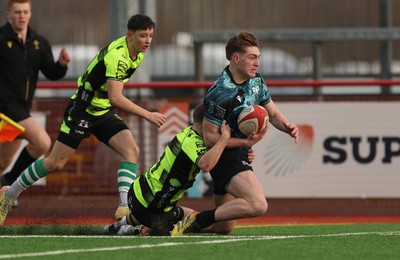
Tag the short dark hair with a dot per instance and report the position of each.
(11, 2)
(198, 113)
(140, 22)
(239, 42)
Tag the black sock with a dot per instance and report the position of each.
(206, 218)
(23, 161)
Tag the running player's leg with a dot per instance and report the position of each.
(72, 131)
(38, 144)
(56, 161)
(124, 144)
(58, 157)
(249, 198)
(119, 138)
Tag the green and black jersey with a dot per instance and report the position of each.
(112, 62)
(164, 183)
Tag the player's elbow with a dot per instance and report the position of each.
(207, 162)
(205, 166)
(114, 100)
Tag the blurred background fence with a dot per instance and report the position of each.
(86, 26)
(313, 52)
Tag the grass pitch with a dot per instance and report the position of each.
(350, 241)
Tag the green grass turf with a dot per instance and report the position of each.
(351, 241)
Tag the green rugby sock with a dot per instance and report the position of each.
(34, 172)
(126, 176)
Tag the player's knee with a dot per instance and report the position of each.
(132, 153)
(40, 146)
(136, 150)
(260, 207)
(45, 144)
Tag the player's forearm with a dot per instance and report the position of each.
(211, 157)
(128, 106)
(238, 142)
(278, 121)
(212, 138)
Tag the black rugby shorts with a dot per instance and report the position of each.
(15, 111)
(232, 162)
(78, 125)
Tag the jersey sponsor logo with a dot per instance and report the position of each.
(200, 152)
(200, 144)
(216, 110)
(201, 148)
(121, 70)
(255, 89)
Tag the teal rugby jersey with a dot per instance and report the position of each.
(112, 62)
(163, 184)
(226, 99)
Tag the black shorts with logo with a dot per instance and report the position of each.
(232, 162)
(78, 125)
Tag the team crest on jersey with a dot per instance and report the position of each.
(255, 89)
(36, 44)
(121, 70)
(9, 44)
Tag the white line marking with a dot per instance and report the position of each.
(215, 239)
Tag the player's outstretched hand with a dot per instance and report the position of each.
(225, 130)
(157, 118)
(293, 131)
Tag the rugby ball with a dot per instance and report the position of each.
(252, 119)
